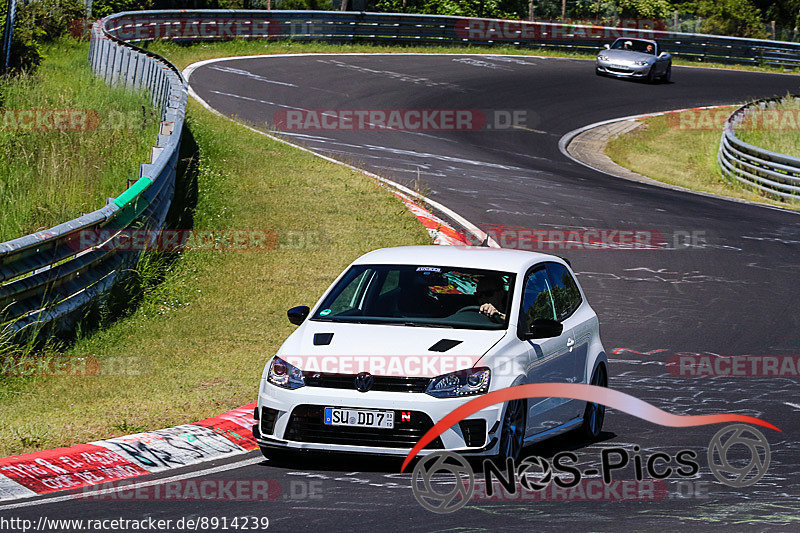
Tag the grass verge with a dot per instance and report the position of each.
(198, 342)
(56, 166)
(681, 149)
(776, 129)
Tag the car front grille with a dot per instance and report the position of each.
(306, 425)
(381, 383)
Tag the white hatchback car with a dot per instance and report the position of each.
(406, 335)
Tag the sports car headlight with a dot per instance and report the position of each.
(285, 375)
(640, 63)
(602, 57)
(461, 383)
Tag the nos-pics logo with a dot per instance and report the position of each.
(437, 492)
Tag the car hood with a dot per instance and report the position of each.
(385, 350)
(627, 55)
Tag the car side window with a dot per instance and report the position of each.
(566, 294)
(537, 299)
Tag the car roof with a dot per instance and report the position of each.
(502, 259)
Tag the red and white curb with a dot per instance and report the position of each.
(126, 457)
(440, 231)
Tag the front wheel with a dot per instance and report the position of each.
(594, 413)
(651, 75)
(512, 433)
(667, 74)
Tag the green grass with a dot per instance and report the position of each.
(49, 177)
(686, 155)
(775, 129)
(197, 344)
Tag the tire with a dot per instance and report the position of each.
(667, 76)
(594, 413)
(596, 71)
(651, 74)
(512, 433)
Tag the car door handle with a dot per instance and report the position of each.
(570, 342)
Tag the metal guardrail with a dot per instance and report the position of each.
(411, 29)
(50, 275)
(768, 171)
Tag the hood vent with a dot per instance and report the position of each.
(322, 339)
(444, 345)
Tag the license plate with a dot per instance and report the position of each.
(621, 67)
(358, 417)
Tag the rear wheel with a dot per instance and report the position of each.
(512, 433)
(595, 413)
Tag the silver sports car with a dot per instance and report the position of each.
(634, 58)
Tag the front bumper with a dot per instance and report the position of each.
(292, 419)
(623, 70)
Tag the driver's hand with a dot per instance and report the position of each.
(492, 312)
(489, 310)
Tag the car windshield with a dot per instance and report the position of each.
(634, 45)
(420, 295)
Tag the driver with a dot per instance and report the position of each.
(490, 290)
(650, 49)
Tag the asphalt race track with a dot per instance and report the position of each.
(733, 292)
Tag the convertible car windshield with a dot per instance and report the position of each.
(634, 45)
(420, 295)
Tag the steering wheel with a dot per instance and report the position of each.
(476, 308)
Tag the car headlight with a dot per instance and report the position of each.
(601, 57)
(461, 383)
(285, 375)
(640, 63)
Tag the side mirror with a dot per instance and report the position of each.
(663, 54)
(607, 46)
(545, 328)
(298, 314)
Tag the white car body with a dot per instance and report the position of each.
(571, 357)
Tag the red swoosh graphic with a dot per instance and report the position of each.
(575, 391)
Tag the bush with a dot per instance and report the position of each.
(37, 22)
